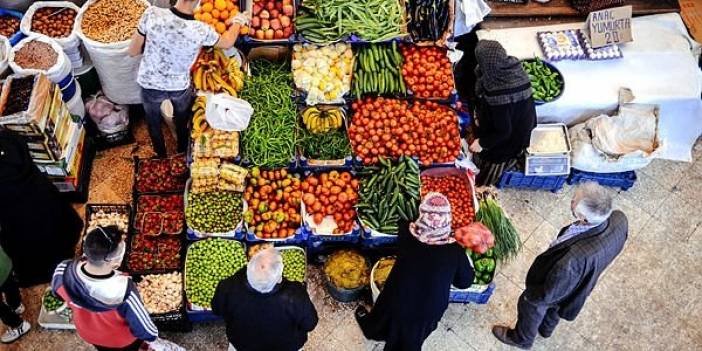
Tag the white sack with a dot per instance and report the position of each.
(5, 48)
(56, 73)
(225, 112)
(116, 69)
(69, 43)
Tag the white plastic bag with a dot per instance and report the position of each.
(116, 69)
(468, 14)
(225, 112)
(620, 143)
(109, 117)
(56, 73)
(164, 345)
(5, 48)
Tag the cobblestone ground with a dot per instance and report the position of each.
(649, 299)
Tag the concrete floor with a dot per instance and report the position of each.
(649, 299)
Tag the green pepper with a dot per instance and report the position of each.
(490, 265)
(480, 265)
(262, 207)
(489, 253)
(248, 216)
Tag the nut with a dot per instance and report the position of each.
(111, 21)
(9, 25)
(49, 21)
(36, 55)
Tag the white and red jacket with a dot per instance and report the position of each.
(107, 311)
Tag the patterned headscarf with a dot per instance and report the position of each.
(500, 78)
(433, 227)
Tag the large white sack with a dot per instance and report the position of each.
(116, 69)
(56, 73)
(69, 43)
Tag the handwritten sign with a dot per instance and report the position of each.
(610, 26)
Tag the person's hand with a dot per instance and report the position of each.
(241, 18)
(475, 147)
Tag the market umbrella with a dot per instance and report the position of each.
(38, 228)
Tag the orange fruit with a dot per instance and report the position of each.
(198, 17)
(207, 7)
(197, 10)
(220, 5)
(215, 13)
(244, 30)
(224, 15)
(220, 27)
(230, 6)
(206, 17)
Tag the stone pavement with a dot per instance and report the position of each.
(649, 299)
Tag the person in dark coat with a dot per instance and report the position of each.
(505, 113)
(560, 279)
(40, 228)
(261, 310)
(416, 292)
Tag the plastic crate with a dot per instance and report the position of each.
(466, 296)
(298, 239)
(371, 239)
(622, 180)
(515, 179)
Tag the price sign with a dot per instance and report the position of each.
(610, 26)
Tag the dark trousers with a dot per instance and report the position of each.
(532, 318)
(132, 347)
(9, 304)
(182, 102)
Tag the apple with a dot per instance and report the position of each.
(287, 32)
(265, 14)
(270, 5)
(260, 34)
(285, 21)
(269, 34)
(257, 9)
(265, 24)
(275, 13)
(279, 6)
(287, 2)
(275, 24)
(279, 34)
(288, 10)
(256, 22)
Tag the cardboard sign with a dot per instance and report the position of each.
(610, 26)
(692, 14)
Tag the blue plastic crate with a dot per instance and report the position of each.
(515, 179)
(461, 296)
(622, 180)
(316, 241)
(370, 240)
(190, 235)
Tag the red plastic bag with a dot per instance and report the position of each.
(476, 237)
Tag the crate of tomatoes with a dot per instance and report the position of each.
(428, 72)
(273, 200)
(457, 185)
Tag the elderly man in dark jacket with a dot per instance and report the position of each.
(560, 279)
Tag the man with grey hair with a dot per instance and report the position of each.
(263, 311)
(560, 279)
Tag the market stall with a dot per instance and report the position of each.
(659, 66)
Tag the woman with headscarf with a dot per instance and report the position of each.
(505, 113)
(416, 292)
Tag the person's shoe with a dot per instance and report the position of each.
(500, 332)
(20, 309)
(544, 334)
(12, 334)
(361, 312)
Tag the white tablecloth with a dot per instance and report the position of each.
(660, 66)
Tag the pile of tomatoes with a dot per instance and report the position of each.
(273, 199)
(331, 194)
(427, 71)
(392, 128)
(457, 190)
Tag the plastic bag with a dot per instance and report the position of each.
(619, 143)
(468, 14)
(164, 345)
(225, 112)
(108, 117)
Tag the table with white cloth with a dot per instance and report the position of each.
(660, 67)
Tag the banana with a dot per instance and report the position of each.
(222, 59)
(197, 78)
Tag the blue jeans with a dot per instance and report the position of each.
(182, 102)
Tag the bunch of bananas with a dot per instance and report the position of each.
(215, 72)
(322, 121)
(199, 122)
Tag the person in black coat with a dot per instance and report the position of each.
(261, 310)
(505, 113)
(416, 292)
(38, 227)
(560, 279)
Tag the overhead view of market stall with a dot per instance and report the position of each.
(350, 175)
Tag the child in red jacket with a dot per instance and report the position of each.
(107, 308)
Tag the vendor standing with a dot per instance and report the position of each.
(505, 112)
(416, 292)
(171, 40)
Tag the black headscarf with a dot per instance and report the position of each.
(500, 78)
